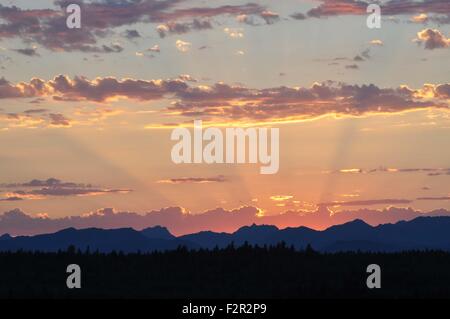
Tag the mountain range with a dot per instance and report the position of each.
(418, 234)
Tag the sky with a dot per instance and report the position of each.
(86, 114)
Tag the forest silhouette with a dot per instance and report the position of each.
(278, 271)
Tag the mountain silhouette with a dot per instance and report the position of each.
(418, 234)
(5, 236)
(157, 232)
(103, 240)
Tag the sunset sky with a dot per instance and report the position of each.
(86, 114)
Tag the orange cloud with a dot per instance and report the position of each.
(432, 39)
(180, 222)
(221, 102)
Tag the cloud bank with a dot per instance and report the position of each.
(179, 221)
(225, 102)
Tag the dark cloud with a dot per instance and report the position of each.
(58, 120)
(63, 88)
(50, 182)
(366, 53)
(64, 191)
(182, 27)
(199, 180)
(432, 39)
(428, 170)
(298, 16)
(328, 8)
(113, 48)
(39, 189)
(35, 111)
(443, 91)
(48, 26)
(27, 51)
(434, 198)
(179, 221)
(36, 101)
(36, 118)
(131, 34)
(352, 67)
(11, 199)
(237, 102)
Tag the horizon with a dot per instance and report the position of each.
(254, 225)
(18, 223)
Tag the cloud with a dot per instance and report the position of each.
(269, 16)
(35, 111)
(197, 180)
(62, 191)
(187, 78)
(428, 170)
(47, 26)
(366, 53)
(329, 8)
(183, 46)
(155, 48)
(234, 32)
(113, 48)
(58, 120)
(28, 52)
(281, 198)
(298, 16)
(33, 118)
(367, 202)
(182, 27)
(432, 39)
(352, 66)
(41, 189)
(434, 198)
(376, 42)
(131, 34)
(244, 18)
(179, 221)
(62, 88)
(420, 18)
(221, 101)
(50, 182)
(11, 199)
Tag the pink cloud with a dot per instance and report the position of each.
(179, 221)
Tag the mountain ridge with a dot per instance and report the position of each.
(417, 234)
